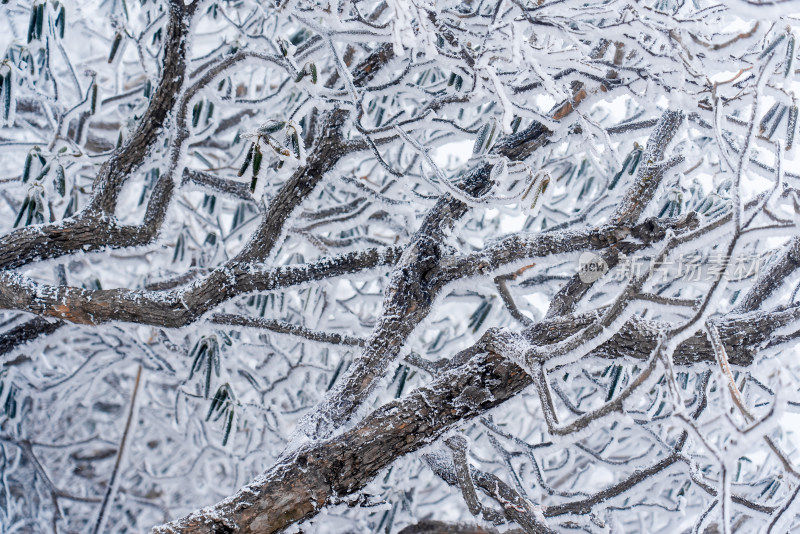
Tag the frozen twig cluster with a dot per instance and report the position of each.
(341, 263)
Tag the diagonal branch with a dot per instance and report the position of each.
(772, 278)
(322, 472)
(27, 331)
(636, 199)
(411, 292)
(282, 327)
(80, 233)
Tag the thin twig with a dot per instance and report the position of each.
(111, 488)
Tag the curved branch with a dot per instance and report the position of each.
(320, 473)
(173, 309)
(80, 233)
(411, 292)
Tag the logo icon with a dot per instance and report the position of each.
(591, 267)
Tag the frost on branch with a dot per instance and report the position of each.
(390, 266)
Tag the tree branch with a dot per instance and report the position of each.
(179, 307)
(319, 473)
(81, 232)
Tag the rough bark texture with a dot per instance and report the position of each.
(333, 454)
(80, 233)
(324, 472)
(182, 306)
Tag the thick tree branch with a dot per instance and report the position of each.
(411, 292)
(430, 526)
(322, 472)
(133, 152)
(180, 307)
(81, 233)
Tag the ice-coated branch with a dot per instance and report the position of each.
(27, 331)
(411, 293)
(636, 199)
(80, 233)
(773, 277)
(513, 505)
(324, 471)
(181, 306)
(343, 235)
(413, 284)
(430, 526)
(282, 327)
(133, 152)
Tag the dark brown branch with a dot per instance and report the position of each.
(27, 331)
(423, 273)
(132, 154)
(86, 232)
(528, 246)
(283, 327)
(515, 507)
(95, 227)
(82, 232)
(430, 526)
(322, 472)
(324, 157)
(458, 445)
(413, 287)
(742, 336)
(329, 150)
(633, 204)
(501, 282)
(411, 292)
(177, 308)
(772, 278)
(239, 190)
